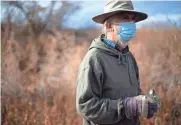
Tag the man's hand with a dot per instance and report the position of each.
(146, 107)
(139, 105)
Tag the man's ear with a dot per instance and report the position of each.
(109, 27)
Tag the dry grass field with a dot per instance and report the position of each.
(39, 75)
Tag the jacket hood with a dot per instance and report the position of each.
(99, 44)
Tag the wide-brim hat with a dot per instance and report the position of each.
(113, 7)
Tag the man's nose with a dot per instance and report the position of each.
(132, 19)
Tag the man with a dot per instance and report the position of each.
(108, 89)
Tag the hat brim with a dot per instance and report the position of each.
(103, 17)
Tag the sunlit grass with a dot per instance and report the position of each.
(39, 80)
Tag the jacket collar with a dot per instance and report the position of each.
(114, 45)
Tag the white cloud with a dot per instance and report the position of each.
(163, 17)
(159, 18)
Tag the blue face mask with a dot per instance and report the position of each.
(126, 32)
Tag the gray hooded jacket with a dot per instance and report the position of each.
(106, 76)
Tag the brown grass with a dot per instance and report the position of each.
(39, 80)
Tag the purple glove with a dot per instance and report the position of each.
(136, 106)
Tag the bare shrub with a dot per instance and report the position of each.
(39, 83)
(158, 53)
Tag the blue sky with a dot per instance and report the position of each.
(158, 11)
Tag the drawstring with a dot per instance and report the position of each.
(116, 49)
(121, 58)
(129, 71)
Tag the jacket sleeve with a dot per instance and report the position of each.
(137, 73)
(89, 103)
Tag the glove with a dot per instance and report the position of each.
(139, 106)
